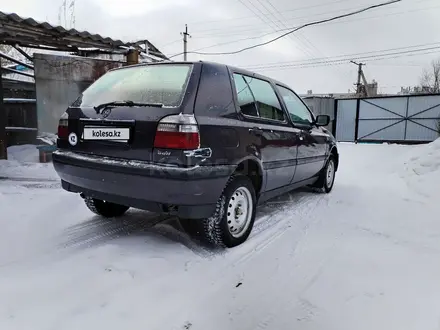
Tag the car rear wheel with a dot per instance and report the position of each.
(104, 208)
(326, 178)
(234, 216)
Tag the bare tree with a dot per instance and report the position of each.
(430, 83)
(430, 79)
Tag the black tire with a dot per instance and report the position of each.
(105, 209)
(215, 230)
(324, 183)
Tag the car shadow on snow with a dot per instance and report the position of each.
(164, 229)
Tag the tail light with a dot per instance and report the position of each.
(63, 126)
(177, 132)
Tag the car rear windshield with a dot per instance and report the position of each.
(164, 83)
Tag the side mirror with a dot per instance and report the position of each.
(322, 120)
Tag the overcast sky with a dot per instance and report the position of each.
(406, 24)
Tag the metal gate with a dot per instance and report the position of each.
(409, 119)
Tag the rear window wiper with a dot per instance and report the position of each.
(125, 103)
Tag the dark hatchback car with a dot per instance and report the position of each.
(203, 141)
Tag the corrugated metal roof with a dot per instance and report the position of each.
(27, 31)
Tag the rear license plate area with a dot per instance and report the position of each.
(106, 132)
(102, 133)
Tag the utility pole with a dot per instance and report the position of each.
(185, 41)
(360, 75)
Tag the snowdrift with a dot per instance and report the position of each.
(422, 168)
(23, 163)
(26, 153)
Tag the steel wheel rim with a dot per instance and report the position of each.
(330, 173)
(239, 212)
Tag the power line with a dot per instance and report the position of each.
(348, 59)
(324, 56)
(300, 36)
(245, 32)
(171, 43)
(346, 62)
(262, 14)
(235, 41)
(378, 57)
(434, 45)
(263, 18)
(239, 32)
(399, 64)
(287, 10)
(292, 36)
(280, 25)
(253, 12)
(296, 29)
(345, 21)
(290, 19)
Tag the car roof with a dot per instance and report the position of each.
(212, 64)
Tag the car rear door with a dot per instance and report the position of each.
(312, 144)
(128, 131)
(269, 133)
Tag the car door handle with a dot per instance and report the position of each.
(256, 131)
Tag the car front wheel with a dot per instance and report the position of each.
(326, 177)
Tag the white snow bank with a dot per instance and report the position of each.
(425, 159)
(23, 162)
(421, 168)
(27, 153)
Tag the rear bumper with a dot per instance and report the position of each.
(186, 192)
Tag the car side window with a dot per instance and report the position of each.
(269, 106)
(297, 110)
(246, 100)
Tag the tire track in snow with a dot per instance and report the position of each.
(90, 233)
(99, 230)
(221, 275)
(272, 226)
(30, 183)
(26, 179)
(299, 308)
(178, 235)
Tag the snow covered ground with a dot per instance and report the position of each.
(366, 256)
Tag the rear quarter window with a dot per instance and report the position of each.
(214, 96)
